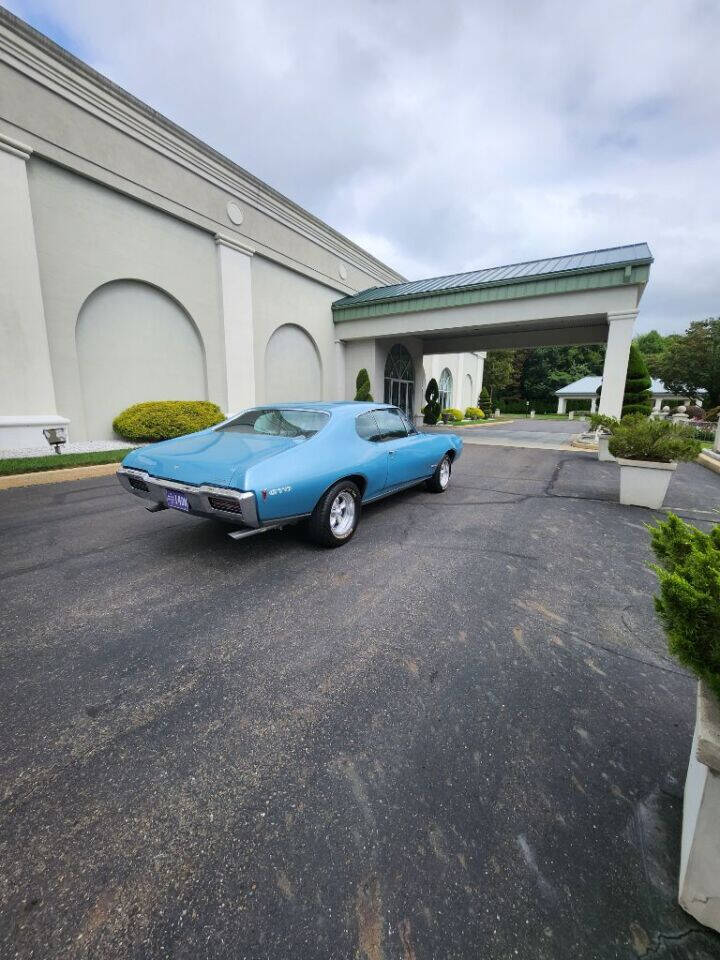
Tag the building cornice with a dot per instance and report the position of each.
(15, 147)
(234, 244)
(36, 56)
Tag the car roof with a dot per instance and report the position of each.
(347, 407)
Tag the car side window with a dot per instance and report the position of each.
(391, 424)
(367, 428)
(409, 425)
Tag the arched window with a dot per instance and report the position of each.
(445, 389)
(400, 379)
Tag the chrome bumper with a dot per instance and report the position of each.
(205, 501)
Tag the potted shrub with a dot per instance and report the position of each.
(603, 427)
(688, 605)
(648, 452)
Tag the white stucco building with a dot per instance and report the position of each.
(137, 263)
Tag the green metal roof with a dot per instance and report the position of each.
(522, 276)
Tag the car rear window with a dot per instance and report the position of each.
(275, 422)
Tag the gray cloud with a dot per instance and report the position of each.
(449, 136)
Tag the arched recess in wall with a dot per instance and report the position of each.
(135, 343)
(293, 369)
(468, 399)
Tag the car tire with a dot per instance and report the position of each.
(439, 481)
(336, 516)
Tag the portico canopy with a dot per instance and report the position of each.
(589, 297)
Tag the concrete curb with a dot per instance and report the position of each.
(57, 476)
(712, 463)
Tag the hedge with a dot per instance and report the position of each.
(474, 413)
(165, 419)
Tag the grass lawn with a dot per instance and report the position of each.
(59, 461)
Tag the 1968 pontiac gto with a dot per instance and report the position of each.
(284, 463)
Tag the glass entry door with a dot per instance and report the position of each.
(400, 394)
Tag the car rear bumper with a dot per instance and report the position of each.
(204, 501)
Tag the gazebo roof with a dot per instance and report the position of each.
(588, 386)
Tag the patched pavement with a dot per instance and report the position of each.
(458, 736)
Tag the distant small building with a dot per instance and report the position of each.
(586, 388)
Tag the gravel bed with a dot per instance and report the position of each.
(89, 446)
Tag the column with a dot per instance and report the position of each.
(562, 405)
(617, 352)
(593, 404)
(340, 387)
(235, 277)
(657, 406)
(27, 391)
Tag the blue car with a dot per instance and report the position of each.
(284, 463)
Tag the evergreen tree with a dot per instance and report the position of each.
(484, 402)
(637, 398)
(431, 412)
(362, 387)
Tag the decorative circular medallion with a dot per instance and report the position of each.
(342, 271)
(235, 213)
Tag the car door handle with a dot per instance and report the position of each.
(391, 453)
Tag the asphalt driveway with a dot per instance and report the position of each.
(458, 736)
(523, 432)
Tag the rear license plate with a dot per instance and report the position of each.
(178, 501)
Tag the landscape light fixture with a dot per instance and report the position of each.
(55, 436)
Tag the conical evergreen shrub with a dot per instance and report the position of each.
(637, 398)
(484, 402)
(431, 410)
(362, 387)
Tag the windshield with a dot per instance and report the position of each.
(278, 423)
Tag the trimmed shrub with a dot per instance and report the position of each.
(688, 605)
(600, 421)
(474, 413)
(484, 402)
(695, 412)
(431, 410)
(637, 398)
(362, 386)
(638, 438)
(165, 419)
(451, 414)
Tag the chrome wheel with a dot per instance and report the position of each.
(444, 476)
(342, 514)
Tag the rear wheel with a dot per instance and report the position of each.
(335, 518)
(438, 482)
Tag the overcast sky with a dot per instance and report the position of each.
(447, 136)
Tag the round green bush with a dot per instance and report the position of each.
(165, 419)
(474, 413)
(452, 414)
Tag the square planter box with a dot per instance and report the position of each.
(644, 483)
(699, 892)
(603, 452)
